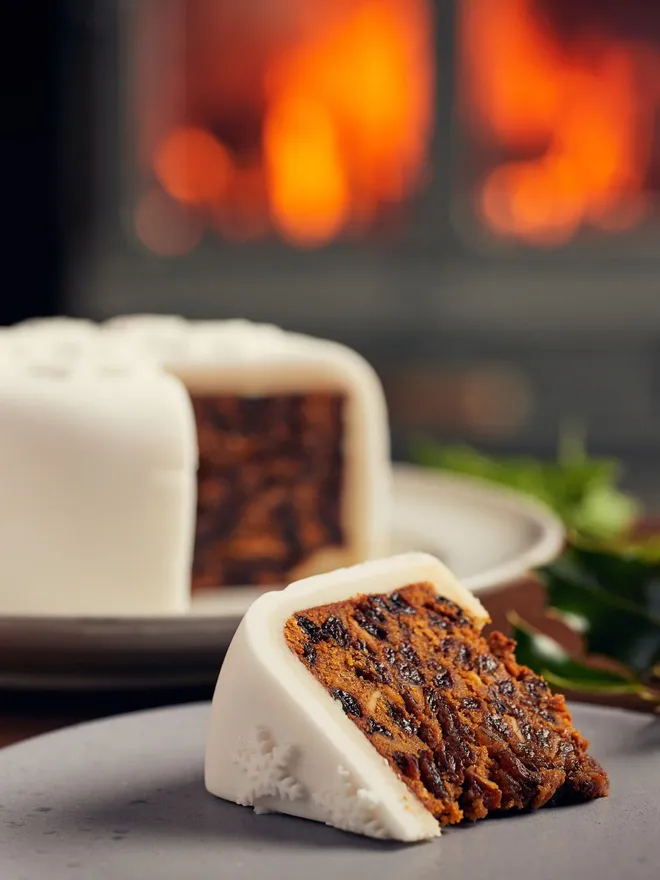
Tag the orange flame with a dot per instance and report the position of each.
(192, 165)
(307, 184)
(571, 112)
(310, 122)
(348, 127)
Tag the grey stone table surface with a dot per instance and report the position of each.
(123, 798)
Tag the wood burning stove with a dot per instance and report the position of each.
(467, 191)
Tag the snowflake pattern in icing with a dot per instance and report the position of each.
(266, 771)
(351, 808)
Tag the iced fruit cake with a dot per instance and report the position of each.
(370, 699)
(148, 457)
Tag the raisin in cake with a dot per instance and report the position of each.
(369, 699)
(149, 456)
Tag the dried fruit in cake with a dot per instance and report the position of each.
(377, 705)
(270, 482)
(469, 730)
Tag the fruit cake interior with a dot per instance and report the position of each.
(469, 730)
(270, 485)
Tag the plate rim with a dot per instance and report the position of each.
(549, 545)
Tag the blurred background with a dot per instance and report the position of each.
(467, 192)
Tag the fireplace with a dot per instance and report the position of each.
(468, 192)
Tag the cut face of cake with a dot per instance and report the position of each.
(282, 468)
(270, 486)
(369, 699)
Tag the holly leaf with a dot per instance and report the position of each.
(547, 658)
(612, 614)
(627, 569)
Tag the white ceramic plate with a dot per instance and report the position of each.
(485, 534)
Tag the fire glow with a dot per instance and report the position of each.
(331, 130)
(573, 118)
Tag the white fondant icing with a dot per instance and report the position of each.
(351, 808)
(57, 374)
(266, 769)
(263, 685)
(98, 493)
